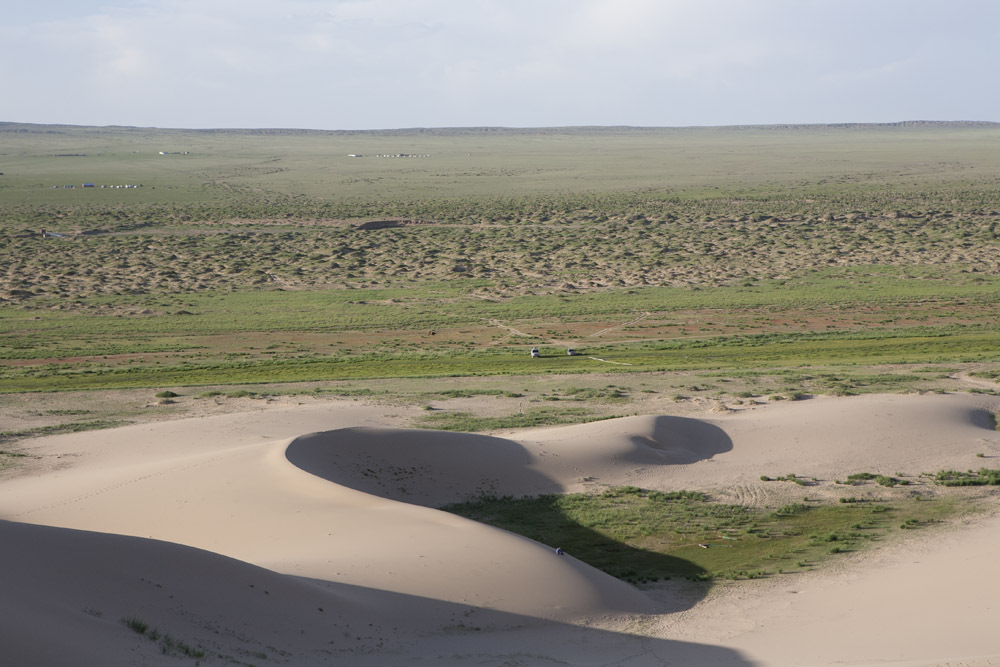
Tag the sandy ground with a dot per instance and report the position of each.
(307, 535)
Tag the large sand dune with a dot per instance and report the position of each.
(310, 536)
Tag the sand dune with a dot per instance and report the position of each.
(185, 523)
(66, 593)
(827, 438)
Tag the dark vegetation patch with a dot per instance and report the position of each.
(168, 644)
(982, 477)
(10, 459)
(641, 535)
(469, 423)
(55, 429)
(468, 393)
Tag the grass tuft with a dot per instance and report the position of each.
(136, 625)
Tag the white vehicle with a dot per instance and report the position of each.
(535, 353)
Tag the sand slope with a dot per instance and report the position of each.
(66, 593)
(329, 509)
(252, 503)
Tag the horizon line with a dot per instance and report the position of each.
(511, 128)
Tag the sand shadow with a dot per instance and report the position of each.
(545, 520)
(681, 440)
(452, 633)
(421, 467)
(436, 469)
(984, 419)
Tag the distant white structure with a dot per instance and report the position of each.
(128, 186)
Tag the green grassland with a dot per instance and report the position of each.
(313, 168)
(645, 536)
(274, 256)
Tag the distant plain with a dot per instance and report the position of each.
(814, 257)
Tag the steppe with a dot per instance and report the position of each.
(273, 404)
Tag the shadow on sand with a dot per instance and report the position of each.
(450, 633)
(439, 469)
(88, 584)
(548, 520)
(682, 440)
(421, 467)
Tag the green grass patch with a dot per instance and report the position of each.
(736, 353)
(469, 393)
(9, 459)
(982, 477)
(640, 535)
(610, 394)
(882, 480)
(56, 429)
(469, 423)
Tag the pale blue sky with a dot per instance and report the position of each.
(368, 64)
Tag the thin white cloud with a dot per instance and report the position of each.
(393, 63)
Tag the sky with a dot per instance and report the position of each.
(380, 64)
